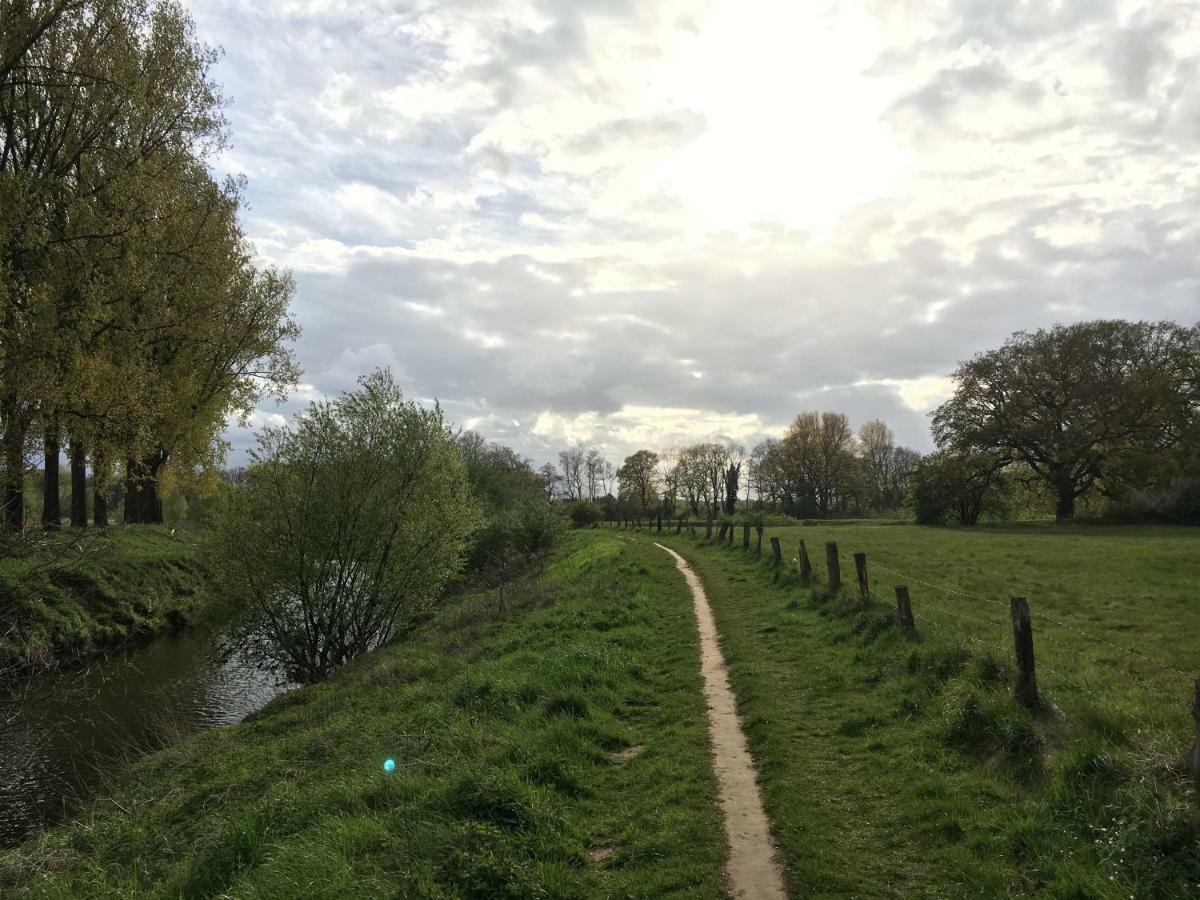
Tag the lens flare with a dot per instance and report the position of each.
(389, 765)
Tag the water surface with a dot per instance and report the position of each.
(63, 735)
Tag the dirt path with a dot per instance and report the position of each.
(753, 871)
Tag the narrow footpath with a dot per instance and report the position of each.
(753, 870)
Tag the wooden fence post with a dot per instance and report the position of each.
(1194, 756)
(745, 537)
(805, 565)
(758, 529)
(708, 529)
(833, 564)
(776, 553)
(1025, 688)
(660, 524)
(904, 610)
(721, 534)
(860, 567)
(731, 535)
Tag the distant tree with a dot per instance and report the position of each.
(347, 528)
(595, 468)
(585, 513)
(691, 477)
(499, 477)
(608, 478)
(877, 446)
(551, 481)
(958, 487)
(733, 471)
(818, 448)
(1094, 403)
(573, 474)
(903, 468)
(638, 479)
(670, 476)
(886, 468)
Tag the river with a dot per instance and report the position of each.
(67, 733)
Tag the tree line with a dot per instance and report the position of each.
(1106, 413)
(134, 321)
(820, 466)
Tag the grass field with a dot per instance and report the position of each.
(902, 767)
(557, 750)
(66, 595)
(1089, 588)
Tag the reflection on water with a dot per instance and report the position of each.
(64, 734)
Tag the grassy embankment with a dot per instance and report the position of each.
(558, 750)
(67, 595)
(903, 767)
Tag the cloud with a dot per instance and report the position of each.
(651, 223)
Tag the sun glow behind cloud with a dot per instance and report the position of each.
(662, 221)
(794, 134)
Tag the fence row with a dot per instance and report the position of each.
(1025, 685)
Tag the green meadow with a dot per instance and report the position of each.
(902, 766)
(557, 747)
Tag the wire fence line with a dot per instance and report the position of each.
(938, 587)
(1041, 615)
(971, 626)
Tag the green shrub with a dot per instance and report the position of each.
(347, 528)
(585, 514)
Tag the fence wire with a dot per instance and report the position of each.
(1039, 616)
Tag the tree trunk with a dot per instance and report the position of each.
(14, 478)
(143, 505)
(78, 456)
(130, 516)
(100, 473)
(731, 488)
(100, 508)
(1064, 509)
(51, 508)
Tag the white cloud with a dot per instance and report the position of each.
(639, 222)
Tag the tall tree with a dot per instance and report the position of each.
(638, 478)
(551, 481)
(594, 466)
(877, 446)
(94, 97)
(733, 471)
(1083, 405)
(573, 476)
(818, 450)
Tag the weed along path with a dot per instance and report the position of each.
(753, 870)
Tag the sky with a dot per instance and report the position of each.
(636, 224)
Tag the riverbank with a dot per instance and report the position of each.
(556, 748)
(66, 596)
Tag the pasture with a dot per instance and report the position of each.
(897, 766)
